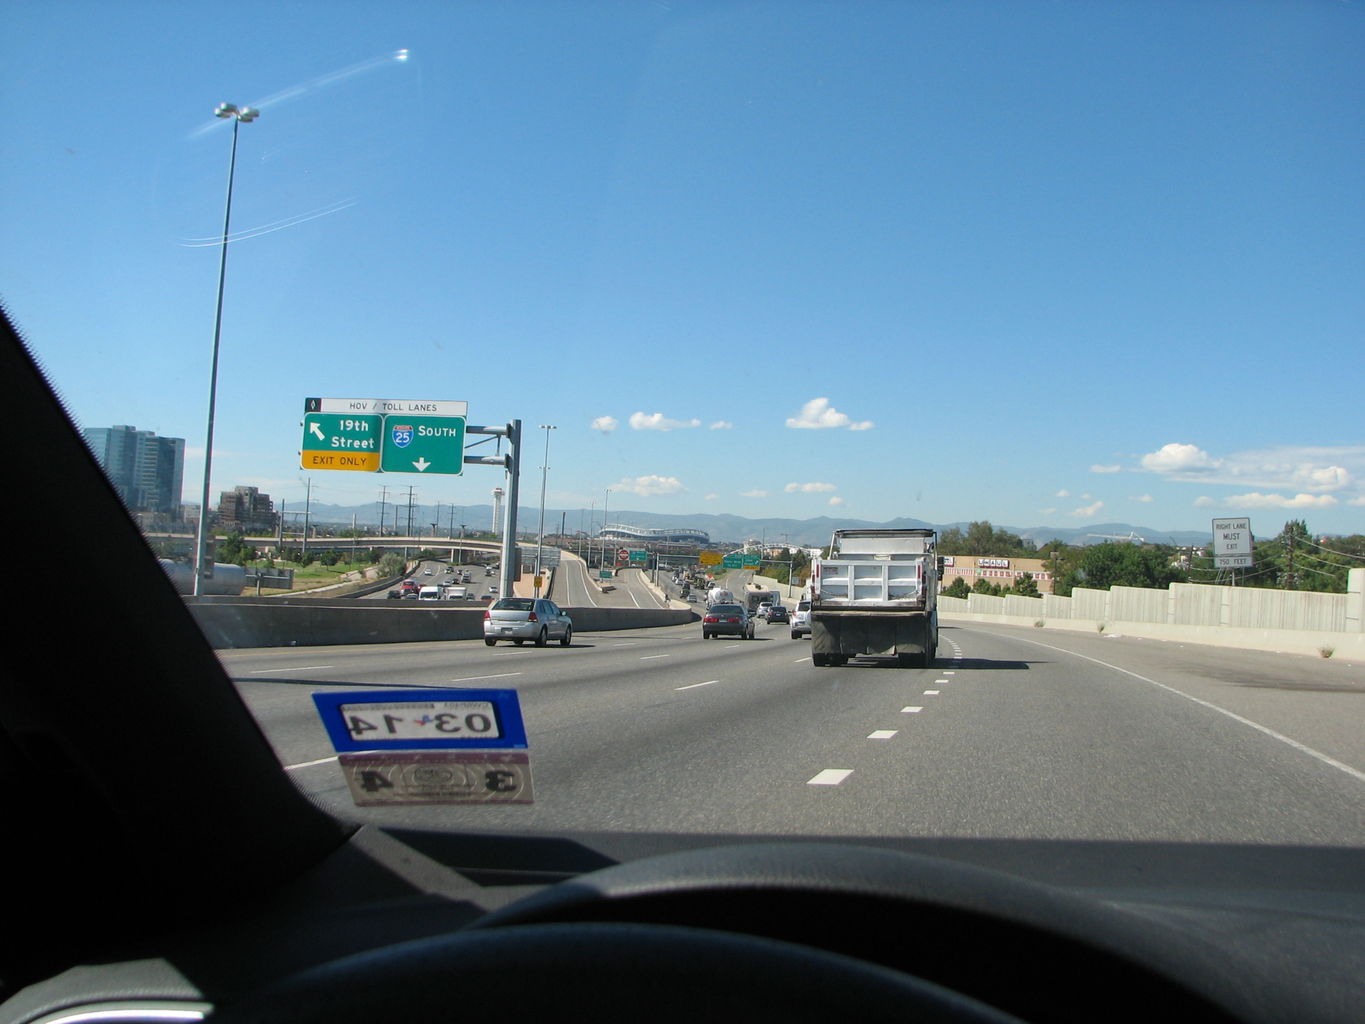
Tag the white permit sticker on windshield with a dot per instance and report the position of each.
(437, 777)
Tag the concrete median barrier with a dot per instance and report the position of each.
(231, 622)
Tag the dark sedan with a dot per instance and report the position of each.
(727, 620)
(779, 613)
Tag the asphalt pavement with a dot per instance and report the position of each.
(1007, 735)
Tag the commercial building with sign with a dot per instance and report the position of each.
(1000, 571)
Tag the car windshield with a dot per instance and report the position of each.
(1058, 305)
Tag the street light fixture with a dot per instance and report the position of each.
(238, 115)
(540, 537)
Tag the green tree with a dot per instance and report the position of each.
(1025, 585)
(984, 586)
(391, 564)
(234, 549)
(1108, 565)
(958, 588)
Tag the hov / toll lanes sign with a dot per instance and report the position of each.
(333, 441)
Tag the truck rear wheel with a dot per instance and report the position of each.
(819, 660)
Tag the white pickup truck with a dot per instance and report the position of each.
(875, 594)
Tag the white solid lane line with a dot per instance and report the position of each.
(1302, 748)
(830, 777)
(497, 675)
(693, 686)
(301, 668)
(651, 657)
(309, 764)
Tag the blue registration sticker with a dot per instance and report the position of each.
(422, 720)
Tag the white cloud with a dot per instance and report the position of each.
(1105, 469)
(1085, 512)
(818, 414)
(722, 425)
(1299, 468)
(711, 497)
(1144, 498)
(606, 424)
(1176, 459)
(1046, 511)
(1322, 478)
(1257, 500)
(1062, 494)
(836, 500)
(647, 486)
(811, 488)
(753, 494)
(1359, 500)
(658, 421)
(1204, 501)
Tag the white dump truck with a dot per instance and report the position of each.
(876, 594)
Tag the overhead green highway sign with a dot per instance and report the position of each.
(335, 441)
(423, 444)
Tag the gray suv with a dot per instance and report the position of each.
(800, 622)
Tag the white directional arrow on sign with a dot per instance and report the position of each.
(421, 464)
(317, 430)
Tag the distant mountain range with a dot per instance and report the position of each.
(736, 529)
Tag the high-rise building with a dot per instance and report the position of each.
(146, 470)
(248, 510)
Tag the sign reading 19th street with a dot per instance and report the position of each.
(368, 435)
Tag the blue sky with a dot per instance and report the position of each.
(1059, 263)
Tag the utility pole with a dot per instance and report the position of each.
(307, 510)
(1289, 581)
(383, 500)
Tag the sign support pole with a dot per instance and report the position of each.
(508, 571)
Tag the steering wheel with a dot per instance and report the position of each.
(767, 932)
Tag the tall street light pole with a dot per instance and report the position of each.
(238, 115)
(540, 537)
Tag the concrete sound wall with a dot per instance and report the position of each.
(305, 622)
(1250, 617)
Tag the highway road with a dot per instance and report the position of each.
(1012, 734)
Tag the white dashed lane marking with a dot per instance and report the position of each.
(830, 777)
(931, 693)
(881, 734)
(693, 686)
(911, 710)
